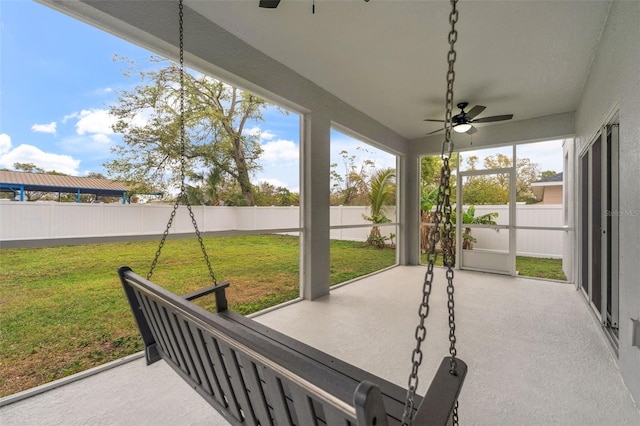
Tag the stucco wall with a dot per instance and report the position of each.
(614, 84)
(552, 195)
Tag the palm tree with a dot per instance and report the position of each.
(382, 190)
(469, 217)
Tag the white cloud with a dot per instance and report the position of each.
(263, 135)
(94, 121)
(69, 117)
(93, 131)
(31, 154)
(361, 151)
(5, 143)
(142, 117)
(97, 145)
(280, 151)
(266, 135)
(45, 128)
(101, 138)
(548, 155)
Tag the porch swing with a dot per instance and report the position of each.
(254, 375)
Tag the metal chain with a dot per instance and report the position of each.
(443, 207)
(182, 169)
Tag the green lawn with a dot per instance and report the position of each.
(537, 267)
(62, 309)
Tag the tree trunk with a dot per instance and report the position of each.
(375, 238)
(425, 230)
(467, 244)
(243, 171)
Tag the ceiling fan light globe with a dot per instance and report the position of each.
(462, 128)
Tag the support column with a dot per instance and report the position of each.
(315, 193)
(410, 205)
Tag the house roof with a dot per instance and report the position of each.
(12, 180)
(556, 179)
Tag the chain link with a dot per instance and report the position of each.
(183, 148)
(442, 215)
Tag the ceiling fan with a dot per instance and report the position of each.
(462, 122)
(269, 4)
(272, 4)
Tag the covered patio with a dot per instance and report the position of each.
(538, 352)
(534, 355)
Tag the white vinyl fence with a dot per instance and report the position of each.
(536, 243)
(28, 221)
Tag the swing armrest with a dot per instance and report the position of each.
(221, 298)
(441, 398)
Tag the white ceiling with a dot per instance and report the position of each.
(387, 58)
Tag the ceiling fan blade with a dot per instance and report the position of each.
(471, 131)
(269, 4)
(475, 111)
(435, 131)
(494, 118)
(433, 120)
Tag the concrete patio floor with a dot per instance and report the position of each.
(535, 354)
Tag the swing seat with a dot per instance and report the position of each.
(254, 375)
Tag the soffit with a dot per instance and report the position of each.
(388, 58)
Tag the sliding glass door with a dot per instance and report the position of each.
(599, 228)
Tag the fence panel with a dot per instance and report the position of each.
(536, 243)
(44, 220)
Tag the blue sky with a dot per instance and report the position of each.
(58, 79)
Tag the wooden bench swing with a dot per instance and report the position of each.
(255, 375)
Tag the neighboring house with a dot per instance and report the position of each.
(566, 70)
(549, 190)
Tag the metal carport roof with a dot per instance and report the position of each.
(22, 181)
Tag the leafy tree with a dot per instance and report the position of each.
(548, 173)
(469, 217)
(28, 168)
(431, 166)
(270, 195)
(485, 190)
(350, 189)
(430, 171)
(265, 194)
(284, 197)
(477, 190)
(215, 117)
(494, 189)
